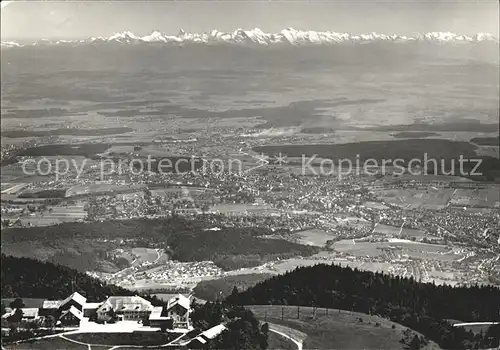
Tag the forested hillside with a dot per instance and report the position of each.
(83, 246)
(28, 278)
(222, 287)
(422, 307)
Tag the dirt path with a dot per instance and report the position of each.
(75, 341)
(292, 334)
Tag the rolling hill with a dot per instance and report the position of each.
(421, 307)
(321, 328)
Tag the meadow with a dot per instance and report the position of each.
(413, 134)
(134, 338)
(313, 237)
(237, 208)
(85, 149)
(411, 198)
(321, 328)
(489, 197)
(400, 246)
(102, 188)
(349, 220)
(49, 343)
(393, 231)
(54, 215)
(276, 341)
(66, 132)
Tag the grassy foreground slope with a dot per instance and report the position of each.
(49, 343)
(340, 329)
(276, 341)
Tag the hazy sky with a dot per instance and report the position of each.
(78, 19)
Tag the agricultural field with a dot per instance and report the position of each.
(149, 255)
(67, 150)
(54, 215)
(140, 256)
(118, 149)
(238, 208)
(9, 188)
(97, 188)
(359, 249)
(488, 197)
(44, 168)
(393, 231)
(313, 237)
(489, 151)
(432, 198)
(375, 205)
(169, 191)
(165, 192)
(15, 174)
(352, 221)
(397, 248)
(65, 131)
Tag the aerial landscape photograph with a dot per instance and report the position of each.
(250, 174)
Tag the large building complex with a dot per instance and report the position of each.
(75, 309)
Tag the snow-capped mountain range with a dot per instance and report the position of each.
(256, 36)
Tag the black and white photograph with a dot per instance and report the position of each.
(250, 174)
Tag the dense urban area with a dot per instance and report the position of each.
(433, 228)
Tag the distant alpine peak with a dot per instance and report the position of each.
(10, 44)
(257, 36)
(126, 35)
(155, 36)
